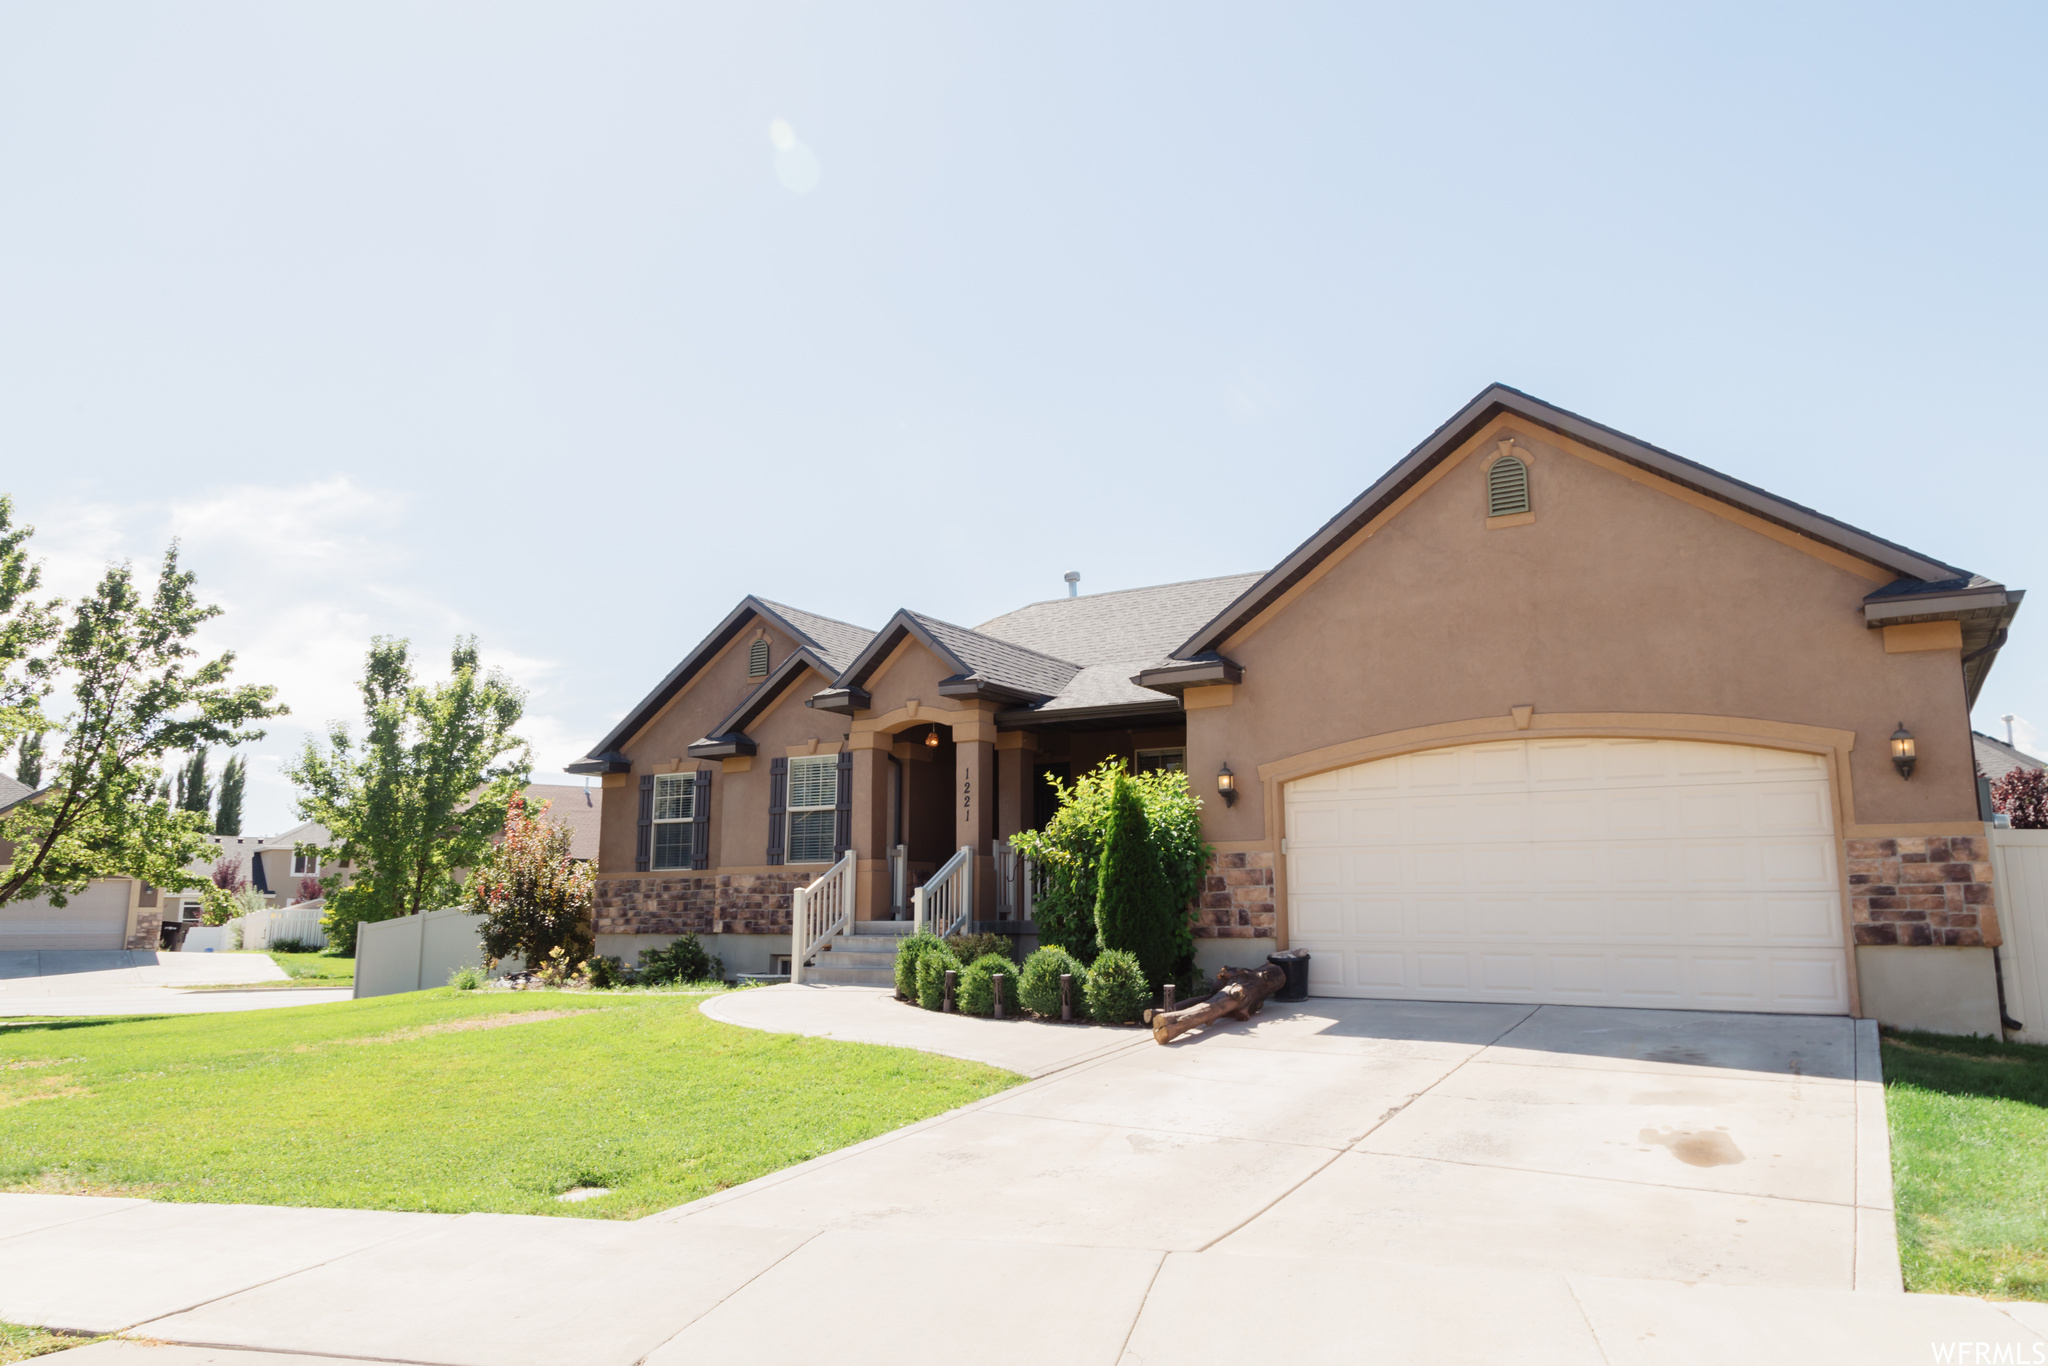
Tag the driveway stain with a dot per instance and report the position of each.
(1695, 1147)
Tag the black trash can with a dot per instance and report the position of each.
(1294, 962)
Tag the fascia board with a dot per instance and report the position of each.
(1888, 610)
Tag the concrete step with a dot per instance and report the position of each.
(871, 962)
(827, 976)
(889, 929)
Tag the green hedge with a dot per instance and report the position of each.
(1116, 990)
(931, 976)
(909, 954)
(1039, 986)
(977, 986)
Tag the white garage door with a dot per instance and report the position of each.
(96, 918)
(1575, 872)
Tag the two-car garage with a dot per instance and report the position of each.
(1572, 871)
(96, 918)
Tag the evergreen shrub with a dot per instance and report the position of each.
(968, 947)
(1116, 990)
(978, 988)
(908, 955)
(931, 977)
(1038, 987)
(684, 960)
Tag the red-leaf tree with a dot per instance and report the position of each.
(228, 875)
(533, 897)
(2023, 796)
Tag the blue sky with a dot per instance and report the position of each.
(570, 325)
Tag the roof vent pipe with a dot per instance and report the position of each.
(2008, 728)
(1073, 583)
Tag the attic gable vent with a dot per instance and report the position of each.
(757, 659)
(1507, 487)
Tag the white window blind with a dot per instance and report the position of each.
(813, 807)
(1151, 760)
(674, 804)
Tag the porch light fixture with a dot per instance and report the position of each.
(1903, 756)
(931, 738)
(1226, 783)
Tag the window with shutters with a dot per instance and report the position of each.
(1507, 487)
(757, 659)
(813, 807)
(675, 799)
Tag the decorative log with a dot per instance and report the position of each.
(1241, 993)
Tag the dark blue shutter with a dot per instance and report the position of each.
(700, 820)
(778, 808)
(842, 828)
(646, 822)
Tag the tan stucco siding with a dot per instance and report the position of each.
(1618, 597)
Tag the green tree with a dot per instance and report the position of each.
(26, 627)
(28, 768)
(195, 792)
(1134, 903)
(422, 794)
(234, 782)
(127, 656)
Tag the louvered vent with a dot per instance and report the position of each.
(1507, 487)
(757, 659)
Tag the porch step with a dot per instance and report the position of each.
(881, 929)
(848, 977)
(864, 958)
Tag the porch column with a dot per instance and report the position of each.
(974, 801)
(870, 823)
(1016, 756)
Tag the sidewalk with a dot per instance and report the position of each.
(75, 982)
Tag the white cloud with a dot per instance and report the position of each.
(305, 574)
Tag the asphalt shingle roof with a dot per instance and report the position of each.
(1001, 661)
(1997, 758)
(836, 641)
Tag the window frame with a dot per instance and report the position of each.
(687, 821)
(830, 763)
(299, 862)
(1179, 765)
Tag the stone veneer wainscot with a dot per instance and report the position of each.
(697, 903)
(1921, 890)
(1237, 898)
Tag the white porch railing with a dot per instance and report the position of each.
(945, 901)
(818, 912)
(1016, 882)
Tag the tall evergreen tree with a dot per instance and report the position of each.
(29, 767)
(195, 793)
(1134, 902)
(234, 780)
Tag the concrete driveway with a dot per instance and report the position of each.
(1734, 1149)
(142, 982)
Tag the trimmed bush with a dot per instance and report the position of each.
(1116, 990)
(603, 973)
(909, 954)
(1135, 906)
(978, 986)
(968, 947)
(931, 976)
(685, 960)
(1038, 986)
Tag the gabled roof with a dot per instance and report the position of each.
(13, 791)
(834, 642)
(1498, 399)
(729, 737)
(982, 666)
(1997, 758)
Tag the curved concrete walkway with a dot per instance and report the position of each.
(1333, 1182)
(75, 982)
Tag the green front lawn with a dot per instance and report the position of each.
(317, 967)
(447, 1100)
(1969, 1126)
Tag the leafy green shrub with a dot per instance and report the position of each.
(603, 973)
(292, 946)
(931, 976)
(685, 960)
(467, 979)
(968, 947)
(1038, 986)
(1116, 990)
(908, 955)
(1069, 850)
(978, 988)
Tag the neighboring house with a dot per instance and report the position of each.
(1545, 715)
(579, 808)
(111, 913)
(1997, 758)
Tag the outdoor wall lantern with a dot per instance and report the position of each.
(1903, 757)
(931, 738)
(1226, 783)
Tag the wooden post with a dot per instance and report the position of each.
(946, 1004)
(996, 981)
(1169, 996)
(1067, 996)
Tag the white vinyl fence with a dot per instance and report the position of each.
(261, 929)
(415, 952)
(2020, 882)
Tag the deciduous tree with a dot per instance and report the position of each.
(419, 797)
(2023, 796)
(533, 897)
